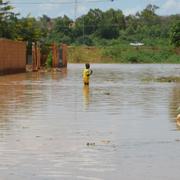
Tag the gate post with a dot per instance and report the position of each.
(34, 60)
(64, 55)
(55, 60)
(36, 56)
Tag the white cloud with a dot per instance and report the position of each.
(45, 7)
(81, 9)
(171, 6)
(132, 11)
(166, 7)
(34, 10)
(152, 1)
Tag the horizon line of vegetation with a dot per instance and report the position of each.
(99, 28)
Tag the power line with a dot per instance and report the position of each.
(75, 9)
(69, 2)
(97, 26)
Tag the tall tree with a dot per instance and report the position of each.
(29, 29)
(175, 34)
(148, 16)
(46, 25)
(112, 22)
(91, 20)
(62, 31)
(8, 20)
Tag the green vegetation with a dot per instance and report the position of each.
(175, 34)
(121, 52)
(100, 36)
(49, 60)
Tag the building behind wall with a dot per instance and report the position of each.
(12, 56)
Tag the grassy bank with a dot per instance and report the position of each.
(124, 53)
(82, 54)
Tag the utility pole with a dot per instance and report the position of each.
(75, 9)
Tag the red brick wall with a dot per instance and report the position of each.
(12, 56)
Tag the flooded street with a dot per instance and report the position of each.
(121, 127)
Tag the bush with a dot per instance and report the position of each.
(49, 60)
(133, 59)
(86, 40)
(175, 35)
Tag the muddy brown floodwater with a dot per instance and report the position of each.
(121, 127)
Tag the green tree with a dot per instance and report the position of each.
(61, 31)
(148, 16)
(8, 20)
(63, 24)
(87, 24)
(29, 29)
(112, 22)
(46, 25)
(92, 20)
(175, 35)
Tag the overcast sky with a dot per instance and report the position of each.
(55, 8)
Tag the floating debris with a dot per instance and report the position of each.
(105, 141)
(107, 93)
(24, 127)
(178, 120)
(90, 143)
(163, 79)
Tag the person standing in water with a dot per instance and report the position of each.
(86, 74)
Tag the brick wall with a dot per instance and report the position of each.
(12, 56)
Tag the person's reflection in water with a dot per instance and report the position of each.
(178, 120)
(174, 106)
(86, 98)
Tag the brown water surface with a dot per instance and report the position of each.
(121, 127)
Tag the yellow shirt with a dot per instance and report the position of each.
(86, 74)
